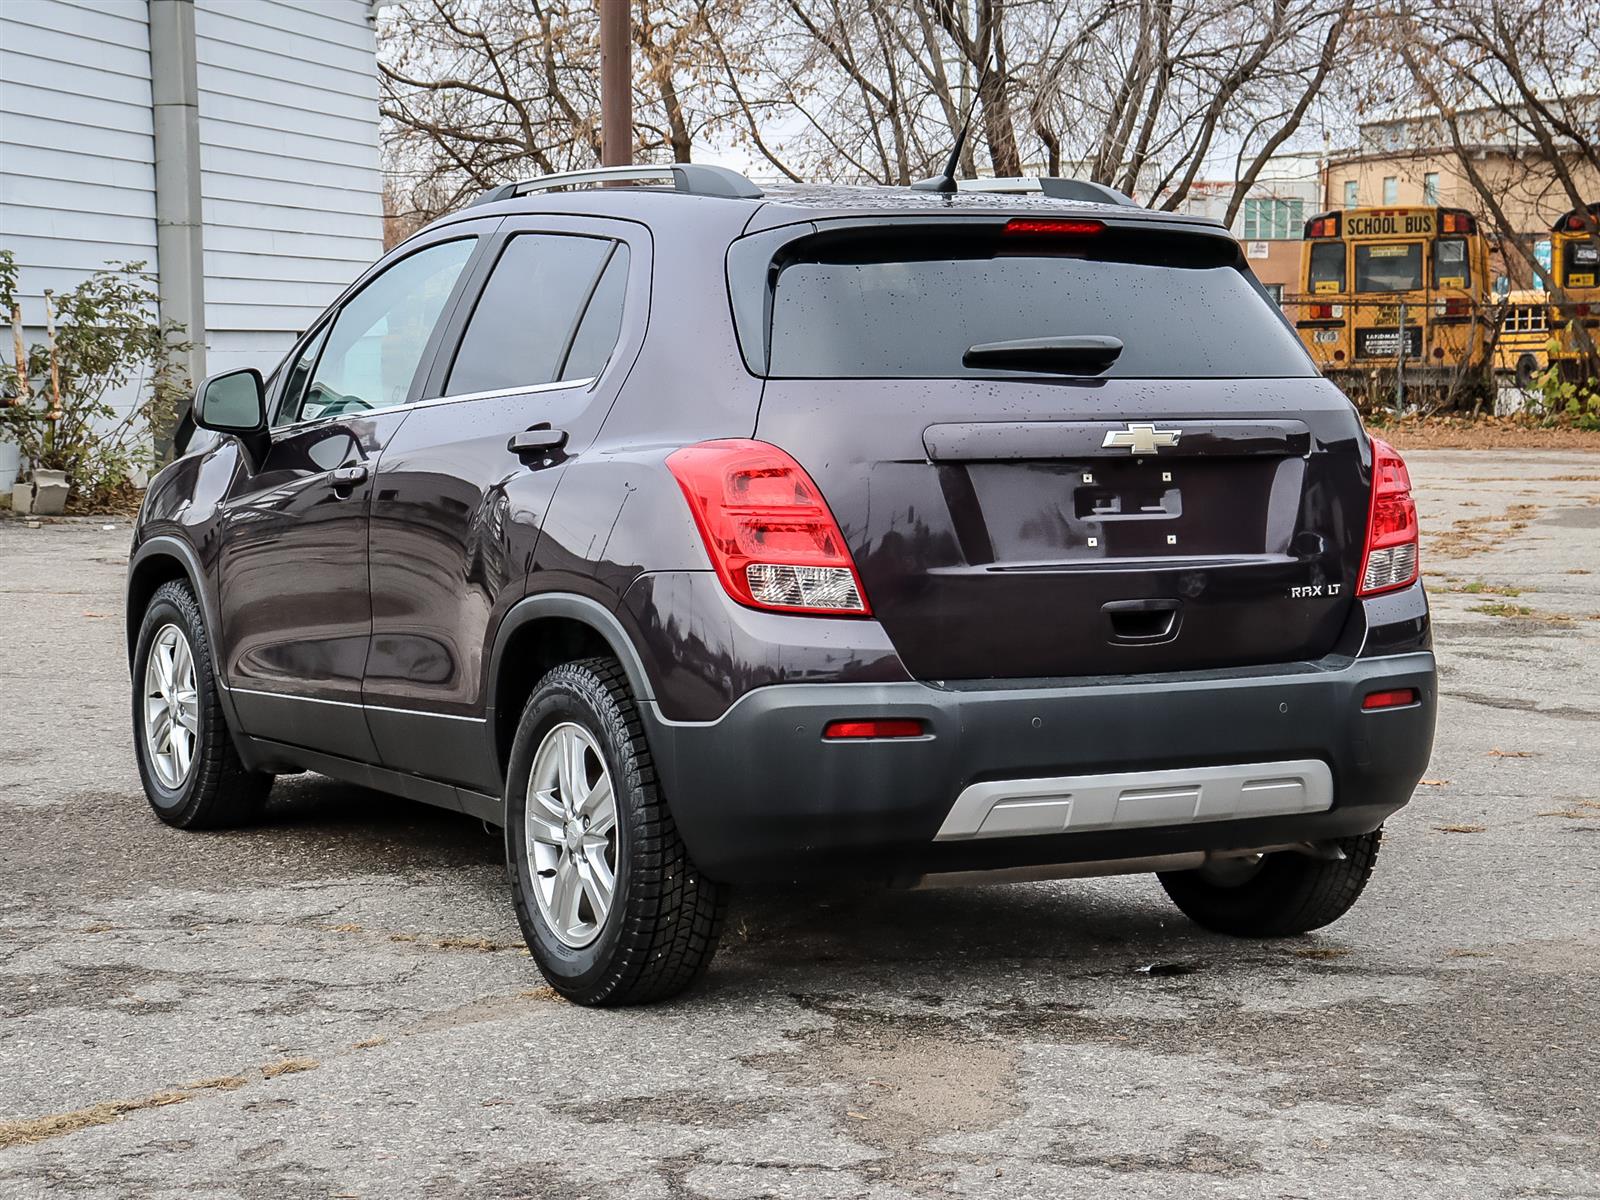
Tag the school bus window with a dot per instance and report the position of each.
(1450, 267)
(1393, 267)
(1327, 267)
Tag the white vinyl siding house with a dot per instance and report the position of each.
(77, 140)
(290, 181)
(289, 176)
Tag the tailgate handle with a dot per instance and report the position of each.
(1142, 622)
(1013, 441)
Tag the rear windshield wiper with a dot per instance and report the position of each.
(1079, 355)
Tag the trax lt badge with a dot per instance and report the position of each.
(1140, 438)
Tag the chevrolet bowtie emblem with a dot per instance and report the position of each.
(1140, 438)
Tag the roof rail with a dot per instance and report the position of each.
(690, 179)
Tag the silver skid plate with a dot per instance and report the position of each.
(1130, 799)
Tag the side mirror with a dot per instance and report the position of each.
(233, 402)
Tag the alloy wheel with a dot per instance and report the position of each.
(570, 827)
(171, 707)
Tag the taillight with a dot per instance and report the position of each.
(767, 529)
(1457, 306)
(1322, 312)
(1390, 558)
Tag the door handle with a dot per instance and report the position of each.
(346, 478)
(539, 442)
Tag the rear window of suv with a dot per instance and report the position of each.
(902, 308)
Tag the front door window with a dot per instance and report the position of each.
(375, 343)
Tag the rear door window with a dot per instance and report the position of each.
(1389, 267)
(1181, 311)
(531, 312)
(1450, 267)
(1327, 267)
(1582, 260)
(602, 321)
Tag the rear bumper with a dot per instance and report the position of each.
(758, 794)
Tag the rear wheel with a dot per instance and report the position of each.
(192, 774)
(1527, 371)
(1275, 895)
(613, 910)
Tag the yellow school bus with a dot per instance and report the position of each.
(1523, 347)
(1575, 265)
(1384, 285)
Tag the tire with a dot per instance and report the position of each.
(1528, 371)
(210, 788)
(1288, 893)
(657, 933)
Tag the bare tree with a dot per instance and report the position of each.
(1148, 95)
(477, 93)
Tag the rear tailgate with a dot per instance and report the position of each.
(1024, 546)
(1199, 503)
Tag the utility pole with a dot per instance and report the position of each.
(616, 84)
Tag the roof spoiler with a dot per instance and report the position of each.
(1056, 187)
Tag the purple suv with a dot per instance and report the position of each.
(698, 535)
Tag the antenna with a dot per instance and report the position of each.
(947, 181)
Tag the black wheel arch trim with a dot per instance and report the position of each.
(573, 607)
(186, 557)
(166, 546)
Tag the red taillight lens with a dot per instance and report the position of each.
(1456, 306)
(1397, 698)
(768, 531)
(1322, 312)
(879, 728)
(1051, 227)
(1390, 559)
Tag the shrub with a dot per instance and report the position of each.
(1565, 401)
(107, 338)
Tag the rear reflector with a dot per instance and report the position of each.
(1390, 560)
(882, 728)
(766, 528)
(1395, 699)
(1051, 227)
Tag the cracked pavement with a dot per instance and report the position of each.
(337, 1003)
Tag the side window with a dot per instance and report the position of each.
(531, 308)
(371, 350)
(602, 321)
(294, 387)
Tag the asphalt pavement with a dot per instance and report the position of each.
(337, 1003)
